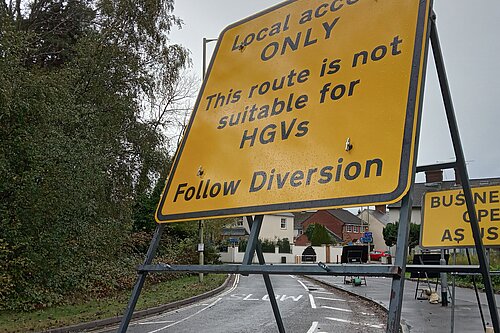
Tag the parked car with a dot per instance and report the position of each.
(377, 254)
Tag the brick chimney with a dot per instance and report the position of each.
(434, 176)
(381, 209)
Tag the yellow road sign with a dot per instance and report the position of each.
(446, 222)
(310, 104)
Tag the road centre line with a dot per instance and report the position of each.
(313, 327)
(355, 323)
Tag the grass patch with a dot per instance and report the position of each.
(94, 309)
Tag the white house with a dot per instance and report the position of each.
(276, 226)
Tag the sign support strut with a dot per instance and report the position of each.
(141, 278)
(253, 240)
(397, 288)
(462, 171)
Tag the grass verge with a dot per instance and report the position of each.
(151, 296)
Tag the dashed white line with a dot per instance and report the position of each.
(313, 327)
(355, 323)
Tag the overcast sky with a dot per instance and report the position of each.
(469, 33)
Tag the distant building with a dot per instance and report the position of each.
(342, 225)
(376, 219)
(276, 226)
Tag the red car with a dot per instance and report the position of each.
(377, 254)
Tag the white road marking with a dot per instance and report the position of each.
(186, 318)
(331, 299)
(321, 292)
(336, 309)
(311, 299)
(303, 285)
(355, 323)
(155, 322)
(233, 287)
(313, 327)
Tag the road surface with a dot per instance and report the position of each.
(305, 307)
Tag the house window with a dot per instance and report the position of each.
(356, 229)
(283, 223)
(348, 228)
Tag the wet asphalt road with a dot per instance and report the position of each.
(245, 307)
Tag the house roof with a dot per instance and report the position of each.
(375, 214)
(421, 188)
(346, 216)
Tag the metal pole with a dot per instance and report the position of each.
(444, 281)
(267, 281)
(141, 278)
(255, 226)
(201, 248)
(397, 288)
(453, 295)
(462, 171)
(476, 292)
(205, 42)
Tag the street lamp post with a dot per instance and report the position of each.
(205, 42)
(201, 245)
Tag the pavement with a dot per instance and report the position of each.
(420, 315)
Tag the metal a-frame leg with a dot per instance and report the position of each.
(397, 288)
(255, 246)
(462, 171)
(141, 278)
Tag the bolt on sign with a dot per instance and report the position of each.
(309, 104)
(446, 221)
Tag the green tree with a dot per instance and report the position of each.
(310, 230)
(318, 235)
(79, 164)
(390, 233)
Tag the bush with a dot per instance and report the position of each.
(284, 245)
